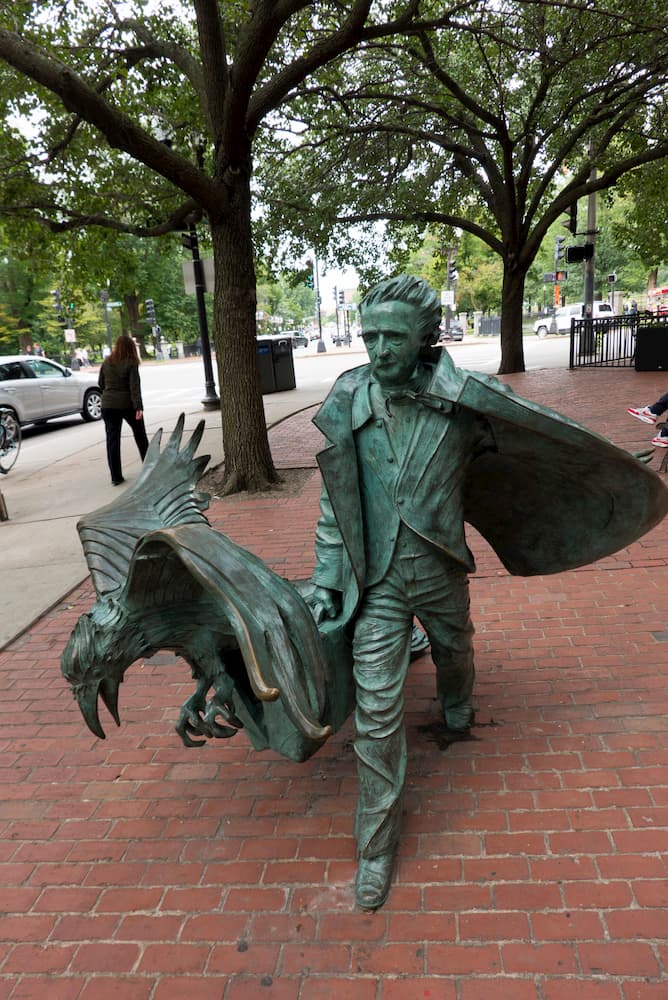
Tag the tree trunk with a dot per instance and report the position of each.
(512, 299)
(248, 461)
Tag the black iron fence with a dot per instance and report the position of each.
(631, 341)
(489, 326)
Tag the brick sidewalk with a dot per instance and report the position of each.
(534, 857)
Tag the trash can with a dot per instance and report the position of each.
(265, 365)
(652, 348)
(284, 363)
(275, 364)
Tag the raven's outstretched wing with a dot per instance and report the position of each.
(164, 495)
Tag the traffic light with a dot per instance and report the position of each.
(58, 305)
(341, 297)
(150, 310)
(308, 280)
(561, 275)
(575, 255)
(571, 221)
(453, 273)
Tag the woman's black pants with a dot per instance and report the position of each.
(113, 422)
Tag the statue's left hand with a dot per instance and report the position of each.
(324, 603)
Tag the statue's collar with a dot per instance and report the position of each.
(372, 397)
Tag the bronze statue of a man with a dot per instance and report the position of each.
(415, 447)
(407, 452)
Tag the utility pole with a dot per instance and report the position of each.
(318, 303)
(104, 298)
(590, 264)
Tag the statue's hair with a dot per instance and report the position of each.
(414, 292)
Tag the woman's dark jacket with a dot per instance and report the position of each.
(120, 385)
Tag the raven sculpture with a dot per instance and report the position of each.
(164, 579)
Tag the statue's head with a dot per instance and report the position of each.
(99, 651)
(400, 319)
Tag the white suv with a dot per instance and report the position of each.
(565, 314)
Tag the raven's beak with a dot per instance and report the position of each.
(109, 694)
(87, 698)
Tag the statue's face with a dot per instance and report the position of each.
(393, 341)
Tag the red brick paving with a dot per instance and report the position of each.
(534, 857)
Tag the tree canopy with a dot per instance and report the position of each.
(143, 120)
(492, 123)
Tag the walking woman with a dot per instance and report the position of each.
(121, 400)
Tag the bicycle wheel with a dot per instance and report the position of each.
(10, 440)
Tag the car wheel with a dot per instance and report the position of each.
(92, 408)
(541, 332)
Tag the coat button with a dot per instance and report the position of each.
(390, 458)
(379, 423)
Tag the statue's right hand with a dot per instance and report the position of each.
(324, 603)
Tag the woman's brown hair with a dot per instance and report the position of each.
(124, 350)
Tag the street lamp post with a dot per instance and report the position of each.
(189, 240)
(104, 296)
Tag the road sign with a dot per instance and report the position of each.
(113, 305)
(189, 275)
(447, 297)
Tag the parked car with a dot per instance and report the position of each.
(454, 332)
(299, 339)
(37, 389)
(565, 314)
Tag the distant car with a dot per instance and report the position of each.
(454, 332)
(299, 339)
(37, 389)
(565, 314)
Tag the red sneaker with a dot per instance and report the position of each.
(642, 413)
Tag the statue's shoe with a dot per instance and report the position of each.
(374, 876)
(459, 717)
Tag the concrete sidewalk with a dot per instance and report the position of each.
(42, 558)
(534, 858)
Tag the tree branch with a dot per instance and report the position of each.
(120, 131)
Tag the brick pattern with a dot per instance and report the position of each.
(534, 856)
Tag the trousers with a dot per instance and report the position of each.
(420, 581)
(113, 423)
(660, 406)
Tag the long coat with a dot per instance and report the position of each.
(549, 496)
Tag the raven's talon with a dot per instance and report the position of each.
(216, 708)
(225, 709)
(191, 722)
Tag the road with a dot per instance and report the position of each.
(61, 472)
